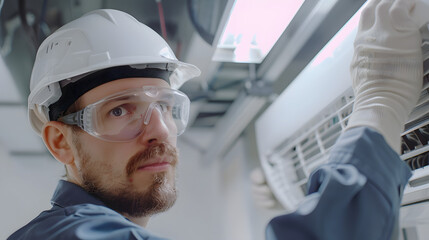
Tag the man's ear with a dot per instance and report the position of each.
(57, 140)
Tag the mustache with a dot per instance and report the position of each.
(153, 151)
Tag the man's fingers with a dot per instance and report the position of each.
(257, 176)
(261, 190)
(367, 18)
(407, 5)
(382, 15)
(267, 203)
(419, 12)
(400, 13)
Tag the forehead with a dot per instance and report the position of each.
(119, 85)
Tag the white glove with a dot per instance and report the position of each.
(262, 193)
(387, 68)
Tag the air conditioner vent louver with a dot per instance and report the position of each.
(419, 161)
(299, 155)
(415, 139)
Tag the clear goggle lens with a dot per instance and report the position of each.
(125, 115)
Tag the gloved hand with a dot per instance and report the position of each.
(262, 193)
(387, 68)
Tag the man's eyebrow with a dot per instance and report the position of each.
(115, 100)
(123, 98)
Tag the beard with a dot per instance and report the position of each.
(159, 196)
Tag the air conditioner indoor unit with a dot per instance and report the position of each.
(308, 117)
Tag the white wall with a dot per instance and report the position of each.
(242, 218)
(26, 187)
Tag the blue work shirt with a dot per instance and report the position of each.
(356, 195)
(76, 214)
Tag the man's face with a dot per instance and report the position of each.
(136, 177)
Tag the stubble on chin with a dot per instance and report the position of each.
(160, 195)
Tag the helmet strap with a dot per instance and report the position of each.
(75, 89)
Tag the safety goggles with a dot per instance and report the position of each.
(125, 115)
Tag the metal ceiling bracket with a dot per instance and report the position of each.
(259, 88)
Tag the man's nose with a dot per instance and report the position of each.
(156, 129)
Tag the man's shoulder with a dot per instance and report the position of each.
(79, 213)
(84, 221)
(87, 211)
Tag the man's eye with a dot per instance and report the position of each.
(118, 112)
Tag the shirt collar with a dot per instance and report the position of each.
(69, 194)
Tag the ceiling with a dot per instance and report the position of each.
(192, 27)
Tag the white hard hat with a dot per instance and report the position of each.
(100, 39)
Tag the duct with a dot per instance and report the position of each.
(228, 129)
(205, 16)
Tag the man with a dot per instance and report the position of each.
(103, 99)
